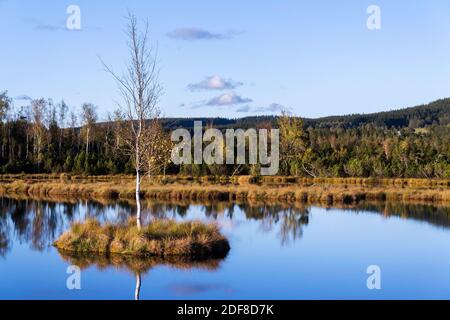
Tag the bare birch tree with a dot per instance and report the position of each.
(89, 116)
(5, 106)
(140, 89)
(62, 114)
(38, 109)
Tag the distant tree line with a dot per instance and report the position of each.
(435, 113)
(48, 137)
(44, 137)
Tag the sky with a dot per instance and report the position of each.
(234, 58)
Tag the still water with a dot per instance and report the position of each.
(277, 252)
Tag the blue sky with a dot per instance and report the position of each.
(235, 58)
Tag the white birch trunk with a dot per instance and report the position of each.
(138, 286)
(87, 141)
(138, 199)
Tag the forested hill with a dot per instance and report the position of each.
(437, 113)
(434, 113)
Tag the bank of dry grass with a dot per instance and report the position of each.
(274, 189)
(161, 238)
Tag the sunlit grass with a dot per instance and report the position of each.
(275, 189)
(159, 238)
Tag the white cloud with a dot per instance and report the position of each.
(192, 34)
(243, 109)
(228, 99)
(23, 97)
(214, 83)
(273, 108)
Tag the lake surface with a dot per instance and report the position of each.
(277, 252)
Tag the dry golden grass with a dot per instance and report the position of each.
(161, 238)
(271, 189)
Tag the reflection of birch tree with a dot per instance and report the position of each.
(291, 227)
(137, 290)
(290, 220)
(5, 244)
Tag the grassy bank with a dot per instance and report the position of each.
(236, 180)
(161, 238)
(270, 189)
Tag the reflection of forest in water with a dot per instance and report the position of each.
(38, 223)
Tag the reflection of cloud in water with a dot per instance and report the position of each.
(186, 289)
(229, 225)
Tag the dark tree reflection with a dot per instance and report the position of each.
(38, 222)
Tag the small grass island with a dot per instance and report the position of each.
(160, 238)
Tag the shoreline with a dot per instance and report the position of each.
(239, 189)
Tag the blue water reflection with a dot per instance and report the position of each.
(277, 252)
